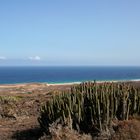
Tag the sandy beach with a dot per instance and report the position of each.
(37, 84)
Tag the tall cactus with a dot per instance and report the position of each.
(91, 106)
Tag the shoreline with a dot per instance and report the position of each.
(61, 84)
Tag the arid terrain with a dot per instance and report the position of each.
(19, 110)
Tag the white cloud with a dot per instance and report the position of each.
(2, 58)
(37, 58)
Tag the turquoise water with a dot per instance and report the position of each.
(10, 75)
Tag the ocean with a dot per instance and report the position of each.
(12, 75)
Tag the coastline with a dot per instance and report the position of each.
(63, 83)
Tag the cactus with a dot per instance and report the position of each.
(90, 106)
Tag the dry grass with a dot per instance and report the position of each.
(59, 132)
(127, 130)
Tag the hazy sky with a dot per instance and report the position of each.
(70, 32)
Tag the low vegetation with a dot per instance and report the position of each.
(91, 108)
(6, 99)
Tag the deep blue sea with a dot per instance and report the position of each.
(10, 75)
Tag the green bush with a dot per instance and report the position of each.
(90, 107)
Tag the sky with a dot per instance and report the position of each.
(70, 32)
